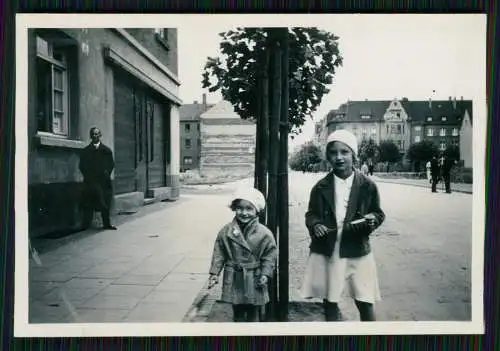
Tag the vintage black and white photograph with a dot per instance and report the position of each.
(210, 170)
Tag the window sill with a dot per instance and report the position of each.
(50, 140)
(162, 41)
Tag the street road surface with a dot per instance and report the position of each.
(422, 250)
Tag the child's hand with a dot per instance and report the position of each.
(213, 280)
(262, 282)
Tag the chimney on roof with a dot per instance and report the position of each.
(204, 101)
(461, 98)
(430, 103)
(449, 98)
(195, 102)
(454, 102)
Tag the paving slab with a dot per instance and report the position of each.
(140, 279)
(112, 302)
(99, 315)
(87, 283)
(75, 297)
(138, 291)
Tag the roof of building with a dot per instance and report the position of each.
(418, 111)
(192, 112)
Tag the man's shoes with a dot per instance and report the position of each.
(109, 227)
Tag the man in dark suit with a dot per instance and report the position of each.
(448, 164)
(96, 165)
(434, 173)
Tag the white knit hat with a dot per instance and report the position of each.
(346, 137)
(251, 195)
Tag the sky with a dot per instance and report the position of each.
(418, 56)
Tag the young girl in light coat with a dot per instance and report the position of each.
(247, 252)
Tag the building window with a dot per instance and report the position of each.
(429, 119)
(199, 142)
(398, 143)
(188, 160)
(454, 142)
(340, 115)
(417, 138)
(399, 128)
(365, 116)
(454, 132)
(418, 128)
(52, 88)
(430, 132)
(442, 132)
(187, 143)
(398, 114)
(161, 35)
(442, 145)
(187, 127)
(198, 127)
(374, 131)
(443, 118)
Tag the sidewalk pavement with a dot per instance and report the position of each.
(149, 270)
(455, 187)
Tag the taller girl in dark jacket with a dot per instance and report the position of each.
(344, 209)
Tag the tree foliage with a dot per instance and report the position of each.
(368, 149)
(422, 151)
(308, 155)
(389, 152)
(453, 152)
(313, 58)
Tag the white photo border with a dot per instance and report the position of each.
(21, 300)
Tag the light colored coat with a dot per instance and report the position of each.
(244, 257)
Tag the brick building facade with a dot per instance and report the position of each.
(121, 81)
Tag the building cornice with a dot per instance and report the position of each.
(115, 58)
(145, 52)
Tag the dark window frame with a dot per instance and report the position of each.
(161, 36)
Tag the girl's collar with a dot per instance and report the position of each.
(237, 228)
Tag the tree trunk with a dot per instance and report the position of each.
(262, 132)
(258, 118)
(272, 191)
(283, 222)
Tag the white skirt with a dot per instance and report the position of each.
(325, 277)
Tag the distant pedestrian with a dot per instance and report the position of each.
(428, 170)
(364, 168)
(447, 165)
(247, 252)
(96, 165)
(344, 209)
(435, 173)
(370, 166)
